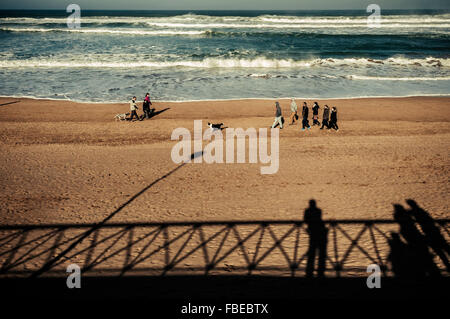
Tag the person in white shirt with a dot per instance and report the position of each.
(133, 109)
(294, 115)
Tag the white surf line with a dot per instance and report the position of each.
(319, 99)
(131, 32)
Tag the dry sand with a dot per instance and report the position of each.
(65, 162)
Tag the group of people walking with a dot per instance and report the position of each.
(329, 117)
(145, 108)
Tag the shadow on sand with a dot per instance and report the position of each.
(278, 259)
(156, 113)
(8, 103)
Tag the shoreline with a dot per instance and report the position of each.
(231, 99)
(236, 113)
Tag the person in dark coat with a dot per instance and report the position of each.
(325, 117)
(146, 106)
(305, 113)
(278, 116)
(315, 109)
(333, 119)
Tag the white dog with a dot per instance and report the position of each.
(121, 117)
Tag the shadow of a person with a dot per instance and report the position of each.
(421, 259)
(154, 113)
(433, 235)
(401, 257)
(318, 234)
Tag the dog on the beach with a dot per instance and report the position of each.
(214, 127)
(121, 117)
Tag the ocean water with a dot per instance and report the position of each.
(203, 55)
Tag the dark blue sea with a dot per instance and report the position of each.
(202, 55)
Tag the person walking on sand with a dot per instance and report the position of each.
(146, 106)
(325, 117)
(133, 109)
(294, 115)
(333, 119)
(305, 113)
(278, 116)
(315, 109)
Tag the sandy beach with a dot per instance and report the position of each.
(65, 162)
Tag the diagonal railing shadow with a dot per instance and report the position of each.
(220, 247)
(54, 260)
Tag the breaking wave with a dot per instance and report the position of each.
(131, 32)
(262, 62)
(380, 78)
(231, 20)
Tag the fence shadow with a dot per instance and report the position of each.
(198, 256)
(278, 247)
(195, 257)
